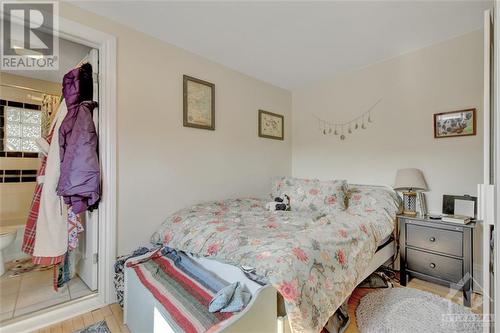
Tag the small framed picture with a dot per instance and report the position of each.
(198, 103)
(271, 125)
(455, 123)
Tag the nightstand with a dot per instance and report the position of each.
(436, 251)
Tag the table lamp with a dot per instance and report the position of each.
(407, 181)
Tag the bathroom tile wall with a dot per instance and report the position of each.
(18, 170)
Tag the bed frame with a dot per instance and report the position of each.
(144, 314)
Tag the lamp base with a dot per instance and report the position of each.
(410, 203)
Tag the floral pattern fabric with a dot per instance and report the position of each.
(371, 200)
(311, 194)
(313, 259)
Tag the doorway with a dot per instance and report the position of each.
(97, 274)
(29, 104)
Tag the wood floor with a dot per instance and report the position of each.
(113, 314)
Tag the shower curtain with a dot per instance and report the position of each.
(50, 104)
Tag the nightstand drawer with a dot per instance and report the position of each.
(434, 239)
(445, 268)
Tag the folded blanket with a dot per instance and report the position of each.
(228, 298)
(119, 265)
(194, 270)
(232, 298)
(185, 289)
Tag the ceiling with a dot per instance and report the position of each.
(291, 44)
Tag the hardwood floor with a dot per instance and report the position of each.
(113, 314)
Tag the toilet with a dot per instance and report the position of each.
(7, 237)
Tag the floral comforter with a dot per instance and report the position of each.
(314, 261)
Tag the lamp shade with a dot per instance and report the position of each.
(410, 179)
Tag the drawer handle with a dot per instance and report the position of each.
(432, 265)
(432, 239)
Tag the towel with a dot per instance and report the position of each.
(232, 298)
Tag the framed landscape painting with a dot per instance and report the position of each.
(271, 125)
(455, 123)
(198, 103)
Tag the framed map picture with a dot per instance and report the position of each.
(199, 103)
(455, 123)
(271, 125)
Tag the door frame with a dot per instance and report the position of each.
(496, 166)
(106, 44)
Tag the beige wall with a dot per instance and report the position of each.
(443, 77)
(163, 166)
(15, 198)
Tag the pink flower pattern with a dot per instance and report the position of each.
(263, 255)
(289, 291)
(168, 237)
(331, 200)
(341, 258)
(300, 255)
(213, 248)
(314, 191)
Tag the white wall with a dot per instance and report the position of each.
(444, 77)
(163, 166)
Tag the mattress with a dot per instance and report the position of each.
(382, 242)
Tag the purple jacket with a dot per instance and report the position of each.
(79, 182)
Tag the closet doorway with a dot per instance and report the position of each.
(29, 104)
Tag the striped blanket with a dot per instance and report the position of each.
(184, 296)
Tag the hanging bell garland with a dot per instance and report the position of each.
(365, 118)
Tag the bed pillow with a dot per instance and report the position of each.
(311, 194)
(363, 199)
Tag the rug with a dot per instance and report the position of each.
(20, 266)
(408, 310)
(99, 327)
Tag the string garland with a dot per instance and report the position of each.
(341, 129)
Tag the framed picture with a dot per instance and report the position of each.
(455, 123)
(199, 103)
(271, 125)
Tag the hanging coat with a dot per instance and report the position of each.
(79, 182)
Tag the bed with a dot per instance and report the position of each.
(312, 257)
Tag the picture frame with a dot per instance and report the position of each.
(198, 103)
(455, 123)
(271, 125)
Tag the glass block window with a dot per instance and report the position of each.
(22, 129)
